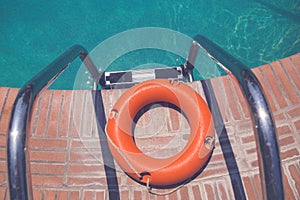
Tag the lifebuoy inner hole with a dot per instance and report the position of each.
(160, 129)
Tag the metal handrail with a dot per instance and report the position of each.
(263, 123)
(19, 176)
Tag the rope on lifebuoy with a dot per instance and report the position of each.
(120, 152)
(148, 170)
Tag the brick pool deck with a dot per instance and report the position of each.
(65, 152)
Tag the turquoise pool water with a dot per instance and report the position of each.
(32, 34)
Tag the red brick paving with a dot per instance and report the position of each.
(292, 72)
(6, 109)
(66, 158)
(266, 87)
(65, 117)
(54, 115)
(275, 88)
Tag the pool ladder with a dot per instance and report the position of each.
(19, 175)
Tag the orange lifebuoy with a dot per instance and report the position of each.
(168, 171)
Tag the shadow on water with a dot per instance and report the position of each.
(295, 17)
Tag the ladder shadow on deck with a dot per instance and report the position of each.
(231, 164)
(108, 160)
